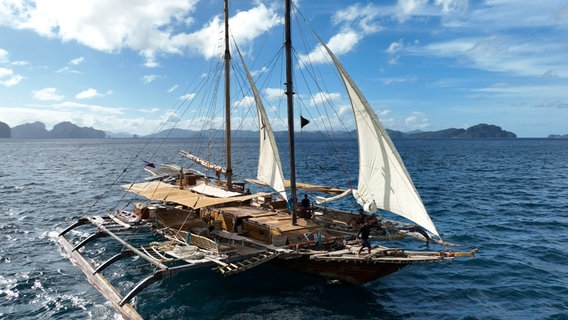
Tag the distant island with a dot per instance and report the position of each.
(37, 130)
(481, 130)
(558, 136)
(68, 130)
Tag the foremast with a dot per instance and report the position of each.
(290, 102)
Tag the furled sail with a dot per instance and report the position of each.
(322, 200)
(206, 164)
(384, 181)
(269, 165)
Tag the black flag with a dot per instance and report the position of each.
(303, 121)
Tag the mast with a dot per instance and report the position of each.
(229, 173)
(290, 100)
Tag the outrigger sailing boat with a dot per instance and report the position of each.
(190, 220)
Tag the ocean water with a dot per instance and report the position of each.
(509, 198)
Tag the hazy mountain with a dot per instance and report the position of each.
(477, 131)
(34, 130)
(5, 131)
(66, 130)
(63, 130)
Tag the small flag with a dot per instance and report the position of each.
(303, 121)
(149, 164)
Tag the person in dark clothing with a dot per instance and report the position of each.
(306, 207)
(364, 233)
(305, 202)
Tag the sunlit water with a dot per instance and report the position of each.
(509, 198)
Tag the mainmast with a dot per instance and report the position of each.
(229, 173)
(290, 100)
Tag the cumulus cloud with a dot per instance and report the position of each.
(324, 98)
(88, 94)
(47, 94)
(8, 78)
(145, 26)
(274, 93)
(356, 22)
(406, 8)
(3, 56)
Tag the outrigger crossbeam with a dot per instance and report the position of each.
(141, 236)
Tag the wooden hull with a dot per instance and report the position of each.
(355, 272)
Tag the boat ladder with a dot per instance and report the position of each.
(248, 263)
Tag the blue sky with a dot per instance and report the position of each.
(427, 65)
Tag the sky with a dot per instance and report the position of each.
(120, 66)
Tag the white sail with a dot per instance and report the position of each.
(384, 181)
(269, 165)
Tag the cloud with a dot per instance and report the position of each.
(88, 94)
(324, 98)
(245, 27)
(417, 120)
(8, 78)
(152, 110)
(47, 94)
(449, 6)
(394, 47)
(388, 81)
(77, 61)
(245, 101)
(149, 78)
(503, 54)
(358, 17)
(356, 22)
(406, 8)
(173, 88)
(187, 97)
(146, 26)
(274, 93)
(553, 104)
(96, 109)
(3, 56)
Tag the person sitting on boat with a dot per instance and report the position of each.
(306, 211)
(364, 233)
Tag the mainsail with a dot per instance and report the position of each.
(269, 165)
(384, 181)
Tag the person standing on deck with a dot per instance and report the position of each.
(364, 233)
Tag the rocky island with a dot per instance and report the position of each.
(37, 130)
(68, 130)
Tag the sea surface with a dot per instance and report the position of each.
(509, 198)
